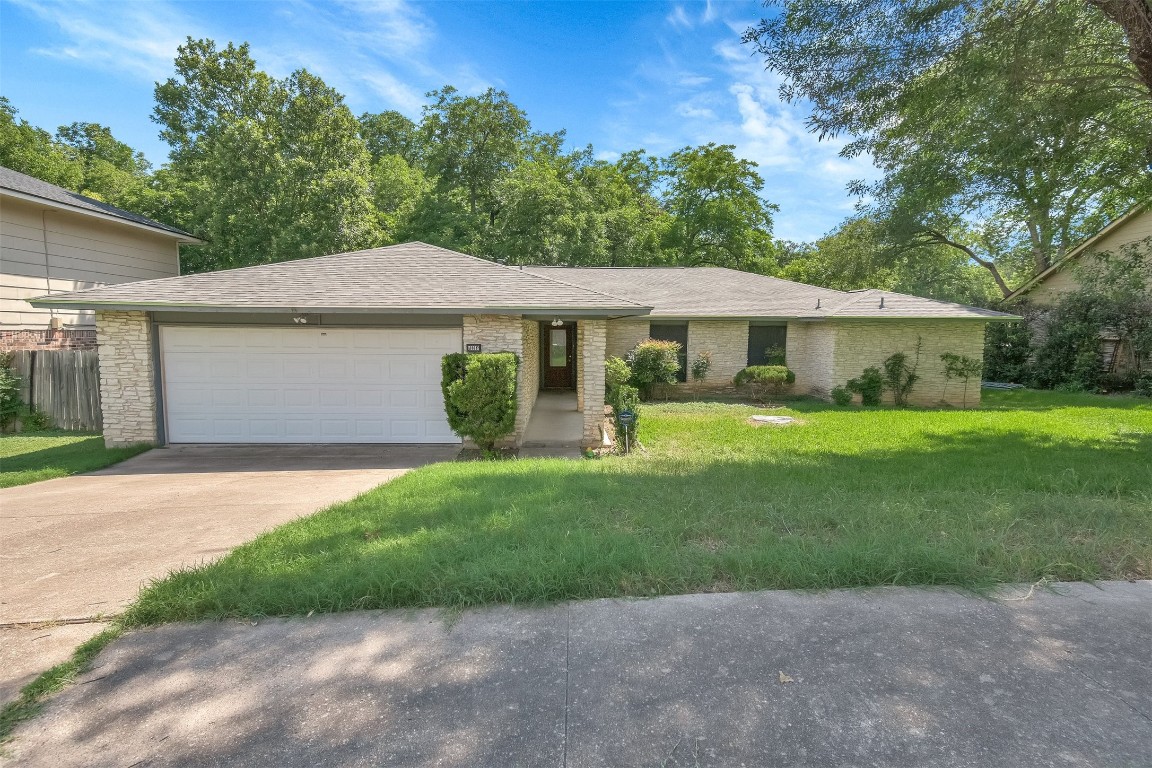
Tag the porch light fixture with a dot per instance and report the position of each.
(557, 323)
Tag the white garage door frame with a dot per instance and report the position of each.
(304, 385)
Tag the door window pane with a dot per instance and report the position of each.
(558, 348)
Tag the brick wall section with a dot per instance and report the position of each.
(127, 393)
(625, 333)
(809, 352)
(44, 338)
(727, 340)
(860, 344)
(506, 333)
(591, 345)
(529, 378)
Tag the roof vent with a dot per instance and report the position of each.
(881, 302)
(817, 303)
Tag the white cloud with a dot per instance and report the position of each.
(140, 39)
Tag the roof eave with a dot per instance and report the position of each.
(47, 302)
(178, 235)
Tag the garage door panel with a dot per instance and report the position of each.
(267, 385)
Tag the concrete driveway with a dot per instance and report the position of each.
(79, 547)
(884, 677)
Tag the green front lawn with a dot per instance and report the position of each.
(31, 457)
(1034, 485)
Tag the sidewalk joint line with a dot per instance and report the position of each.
(567, 656)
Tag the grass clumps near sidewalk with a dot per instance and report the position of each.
(32, 457)
(1026, 489)
(33, 695)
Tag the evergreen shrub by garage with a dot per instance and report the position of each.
(480, 395)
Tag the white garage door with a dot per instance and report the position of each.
(305, 385)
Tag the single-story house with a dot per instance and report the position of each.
(347, 348)
(1043, 291)
(53, 240)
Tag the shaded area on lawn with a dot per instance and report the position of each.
(32, 457)
(852, 498)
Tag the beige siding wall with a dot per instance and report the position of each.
(1065, 280)
(509, 333)
(810, 350)
(859, 344)
(127, 387)
(51, 251)
(624, 333)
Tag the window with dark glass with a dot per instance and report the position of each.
(766, 344)
(677, 332)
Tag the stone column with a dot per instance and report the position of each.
(127, 377)
(591, 349)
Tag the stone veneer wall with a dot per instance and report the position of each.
(127, 386)
(528, 381)
(809, 353)
(862, 343)
(624, 333)
(727, 340)
(591, 346)
(508, 333)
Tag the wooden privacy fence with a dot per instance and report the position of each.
(63, 384)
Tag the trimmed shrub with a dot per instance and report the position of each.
(841, 395)
(480, 395)
(654, 361)
(616, 373)
(758, 378)
(625, 398)
(869, 385)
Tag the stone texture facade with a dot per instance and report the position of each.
(127, 386)
(809, 353)
(727, 341)
(47, 338)
(624, 333)
(863, 343)
(510, 333)
(591, 346)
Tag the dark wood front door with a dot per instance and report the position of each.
(558, 356)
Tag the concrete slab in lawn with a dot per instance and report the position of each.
(893, 677)
(82, 546)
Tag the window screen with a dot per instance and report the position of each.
(765, 338)
(677, 332)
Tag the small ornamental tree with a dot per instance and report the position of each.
(900, 377)
(654, 361)
(480, 395)
(701, 365)
(960, 367)
(759, 378)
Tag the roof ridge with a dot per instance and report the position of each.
(583, 288)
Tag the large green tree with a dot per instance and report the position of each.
(32, 151)
(266, 169)
(996, 138)
(717, 215)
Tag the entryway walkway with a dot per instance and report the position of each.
(555, 427)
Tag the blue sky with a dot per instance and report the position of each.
(617, 75)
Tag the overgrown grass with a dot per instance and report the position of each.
(32, 457)
(33, 695)
(1034, 485)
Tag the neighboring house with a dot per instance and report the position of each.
(1044, 290)
(347, 348)
(56, 241)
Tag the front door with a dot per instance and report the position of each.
(558, 356)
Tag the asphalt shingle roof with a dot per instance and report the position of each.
(719, 292)
(409, 277)
(30, 185)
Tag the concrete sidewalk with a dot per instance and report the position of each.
(886, 677)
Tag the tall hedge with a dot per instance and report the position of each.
(480, 395)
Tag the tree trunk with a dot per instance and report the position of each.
(1135, 18)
